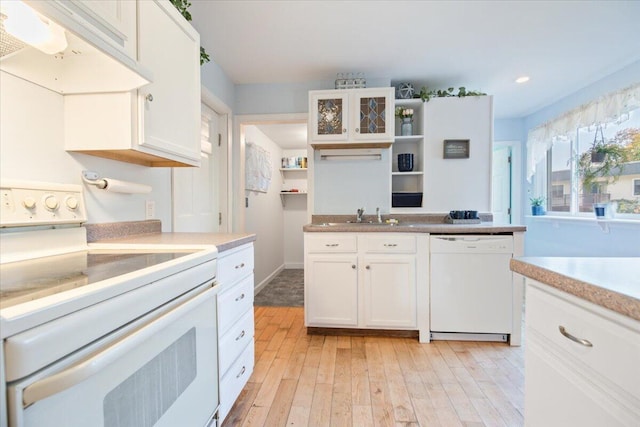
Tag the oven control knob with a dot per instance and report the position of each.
(51, 202)
(29, 202)
(71, 202)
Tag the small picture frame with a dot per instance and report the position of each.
(456, 149)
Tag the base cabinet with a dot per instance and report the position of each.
(573, 383)
(389, 299)
(365, 280)
(235, 324)
(331, 297)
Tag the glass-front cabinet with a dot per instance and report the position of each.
(352, 115)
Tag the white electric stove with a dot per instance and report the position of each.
(116, 336)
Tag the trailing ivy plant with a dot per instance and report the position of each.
(426, 94)
(182, 6)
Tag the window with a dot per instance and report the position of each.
(574, 183)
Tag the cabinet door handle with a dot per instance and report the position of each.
(149, 97)
(573, 338)
(368, 267)
(344, 130)
(332, 245)
(357, 130)
(240, 336)
(240, 297)
(241, 372)
(239, 266)
(391, 245)
(353, 266)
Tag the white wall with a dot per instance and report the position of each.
(264, 216)
(295, 214)
(32, 148)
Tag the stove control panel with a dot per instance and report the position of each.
(25, 203)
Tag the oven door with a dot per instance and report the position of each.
(164, 372)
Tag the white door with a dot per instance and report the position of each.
(501, 191)
(199, 193)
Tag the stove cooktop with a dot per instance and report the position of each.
(33, 279)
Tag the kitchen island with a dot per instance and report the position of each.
(582, 340)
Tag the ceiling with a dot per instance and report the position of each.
(483, 45)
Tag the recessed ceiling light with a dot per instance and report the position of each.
(522, 79)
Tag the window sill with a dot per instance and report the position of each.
(582, 219)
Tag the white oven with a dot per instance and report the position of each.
(101, 337)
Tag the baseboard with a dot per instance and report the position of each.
(293, 265)
(270, 277)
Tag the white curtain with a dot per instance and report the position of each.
(606, 109)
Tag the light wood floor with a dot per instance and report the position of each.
(312, 380)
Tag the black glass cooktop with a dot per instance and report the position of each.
(32, 279)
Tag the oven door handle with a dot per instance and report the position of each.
(63, 380)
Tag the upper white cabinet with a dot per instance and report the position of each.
(170, 105)
(115, 19)
(159, 124)
(362, 117)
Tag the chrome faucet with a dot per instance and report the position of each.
(378, 215)
(359, 216)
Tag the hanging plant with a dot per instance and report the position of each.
(182, 6)
(426, 94)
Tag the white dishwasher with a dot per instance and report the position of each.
(471, 287)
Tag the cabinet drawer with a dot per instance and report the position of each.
(235, 340)
(388, 243)
(235, 265)
(616, 348)
(234, 302)
(234, 380)
(330, 242)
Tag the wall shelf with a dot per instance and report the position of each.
(290, 193)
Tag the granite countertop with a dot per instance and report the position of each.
(613, 283)
(439, 228)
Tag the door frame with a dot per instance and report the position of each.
(516, 178)
(240, 122)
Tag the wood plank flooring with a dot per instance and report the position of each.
(315, 380)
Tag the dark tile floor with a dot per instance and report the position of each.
(284, 290)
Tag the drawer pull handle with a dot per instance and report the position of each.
(332, 245)
(240, 297)
(391, 245)
(240, 336)
(240, 266)
(241, 372)
(581, 341)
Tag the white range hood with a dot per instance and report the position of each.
(92, 62)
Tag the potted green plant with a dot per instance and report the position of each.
(602, 164)
(537, 205)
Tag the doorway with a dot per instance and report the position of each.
(505, 174)
(200, 196)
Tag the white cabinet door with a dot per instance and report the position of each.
(389, 296)
(114, 18)
(331, 290)
(169, 108)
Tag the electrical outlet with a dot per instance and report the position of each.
(150, 209)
